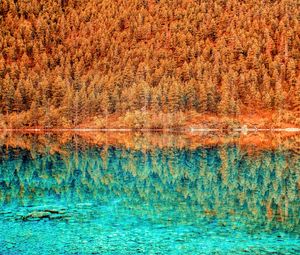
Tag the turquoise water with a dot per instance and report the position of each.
(76, 198)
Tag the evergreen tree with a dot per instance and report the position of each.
(18, 101)
(203, 99)
(226, 99)
(58, 92)
(211, 97)
(174, 96)
(278, 96)
(8, 92)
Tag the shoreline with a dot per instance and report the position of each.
(168, 130)
(192, 122)
(143, 139)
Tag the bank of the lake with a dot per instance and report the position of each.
(160, 121)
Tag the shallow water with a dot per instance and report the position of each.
(73, 197)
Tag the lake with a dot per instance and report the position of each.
(101, 193)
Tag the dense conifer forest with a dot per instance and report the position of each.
(147, 63)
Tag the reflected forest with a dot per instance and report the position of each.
(240, 187)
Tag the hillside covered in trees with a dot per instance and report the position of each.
(68, 62)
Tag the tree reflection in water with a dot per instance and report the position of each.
(249, 190)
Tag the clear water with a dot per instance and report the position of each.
(76, 198)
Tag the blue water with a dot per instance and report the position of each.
(87, 199)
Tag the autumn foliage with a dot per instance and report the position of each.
(65, 62)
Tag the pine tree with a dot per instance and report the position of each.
(223, 106)
(8, 92)
(278, 96)
(18, 101)
(83, 104)
(58, 92)
(68, 102)
(34, 114)
(203, 98)
(105, 103)
(174, 96)
(156, 105)
(211, 97)
(295, 102)
(75, 111)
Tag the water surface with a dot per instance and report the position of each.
(68, 195)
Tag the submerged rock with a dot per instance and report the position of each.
(54, 211)
(45, 214)
(37, 215)
(57, 216)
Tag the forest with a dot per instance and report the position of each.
(148, 63)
